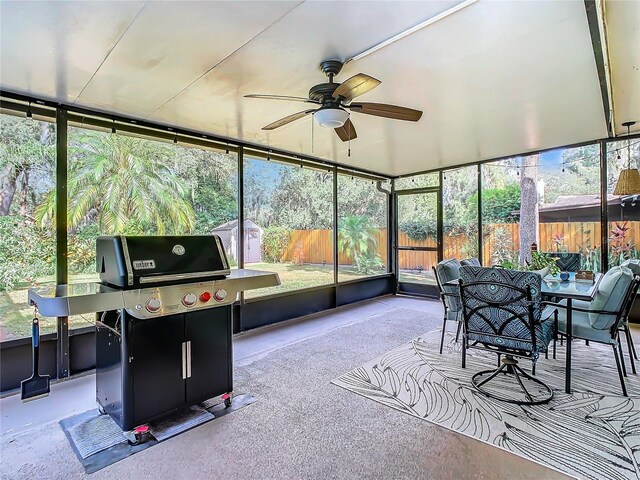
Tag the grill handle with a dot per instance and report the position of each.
(189, 359)
(184, 360)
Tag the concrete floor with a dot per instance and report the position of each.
(301, 426)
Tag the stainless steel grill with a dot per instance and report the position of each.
(164, 322)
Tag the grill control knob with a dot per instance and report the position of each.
(205, 297)
(189, 299)
(153, 305)
(220, 295)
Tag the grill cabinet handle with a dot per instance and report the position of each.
(184, 360)
(189, 359)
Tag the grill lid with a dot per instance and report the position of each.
(136, 261)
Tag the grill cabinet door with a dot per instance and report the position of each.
(209, 332)
(158, 386)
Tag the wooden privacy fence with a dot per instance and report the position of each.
(575, 237)
(316, 246)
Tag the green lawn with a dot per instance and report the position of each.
(16, 315)
(295, 277)
(414, 276)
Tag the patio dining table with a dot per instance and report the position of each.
(569, 290)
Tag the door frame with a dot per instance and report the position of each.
(409, 288)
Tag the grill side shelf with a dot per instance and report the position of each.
(74, 299)
(252, 279)
(80, 298)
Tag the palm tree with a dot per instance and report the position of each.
(125, 184)
(356, 237)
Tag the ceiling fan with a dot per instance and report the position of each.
(334, 100)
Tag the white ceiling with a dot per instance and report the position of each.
(623, 35)
(494, 79)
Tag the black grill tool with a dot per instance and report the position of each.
(37, 386)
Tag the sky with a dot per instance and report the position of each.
(552, 158)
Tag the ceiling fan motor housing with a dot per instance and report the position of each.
(323, 93)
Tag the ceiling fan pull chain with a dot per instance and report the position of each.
(349, 127)
(312, 130)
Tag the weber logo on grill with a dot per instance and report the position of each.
(144, 264)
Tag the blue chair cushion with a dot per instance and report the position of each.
(581, 324)
(515, 335)
(610, 296)
(544, 336)
(567, 262)
(633, 265)
(474, 262)
(447, 271)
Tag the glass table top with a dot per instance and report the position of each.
(553, 286)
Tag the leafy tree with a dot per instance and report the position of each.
(581, 175)
(303, 199)
(27, 149)
(419, 229)
(360, 197)
(214, 204)
(28, 252)
(212, 180)
(417, 216)
(261, 179)
(125, 184)
(498, 204)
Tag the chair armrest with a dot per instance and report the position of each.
(450, 294)
(552, 304)
(579, 309)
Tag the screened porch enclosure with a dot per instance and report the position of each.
(105, 140)
(320, 227)
(344, 218)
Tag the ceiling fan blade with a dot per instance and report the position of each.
(347, 131)
(281, 97)
(288, 119)
(355, 86)
(387, 111)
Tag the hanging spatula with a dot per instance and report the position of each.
(38, 385)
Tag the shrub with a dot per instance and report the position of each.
(368, 262)
(502, 247)
(499, 205)
(26, 252)
(419, 230)
(274, 244)
(82, 249)
(232, 261)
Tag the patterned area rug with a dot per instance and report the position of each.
(592, 433)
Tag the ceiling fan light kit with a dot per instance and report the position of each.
(334, 101)
(331, 117)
